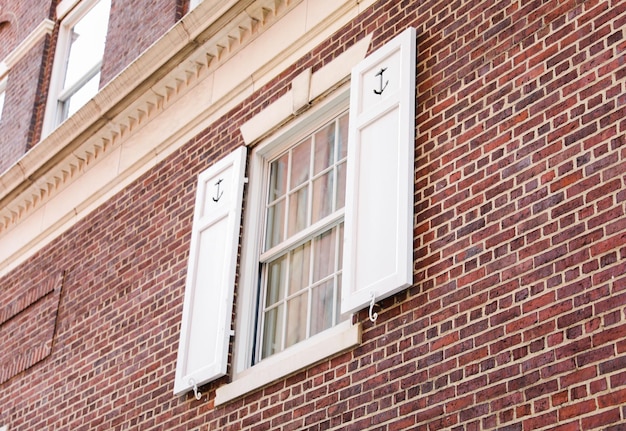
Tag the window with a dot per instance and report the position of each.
(80, 48)
(3, 87)
(302, 260)
(329, 215)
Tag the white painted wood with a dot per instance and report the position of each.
(379, 193)
(207, 309)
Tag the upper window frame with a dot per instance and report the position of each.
(70, 12)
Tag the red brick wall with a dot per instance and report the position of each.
(516, 318)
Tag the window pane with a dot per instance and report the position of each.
(278, 178)
(340, 248)
(296, 319)
(298, 211)
(323, 306)
(276, 281)
(324, 148)
(87, 39)
(2, 93)
(341, 186)
(272, 331)
(322, 197)
(275, 224)
(299, 264)
(343, 136)
(300, 163)
(324, 252)
(82, 96)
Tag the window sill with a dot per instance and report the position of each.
(328, 343)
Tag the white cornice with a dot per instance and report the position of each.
(44, 28)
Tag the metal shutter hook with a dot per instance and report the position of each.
(197, 394)
(373, 315)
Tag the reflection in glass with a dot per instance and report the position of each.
(300, 164)
(296, 319)
(272, 329)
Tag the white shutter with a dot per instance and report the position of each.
(378, 247)
(207, 310)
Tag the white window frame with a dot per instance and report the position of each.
(3, 93)
(70, 12)
(247, 377)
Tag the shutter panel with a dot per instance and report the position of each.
(207, 310)
(378, 247)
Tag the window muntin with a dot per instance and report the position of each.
(85, 41)
(302, 259)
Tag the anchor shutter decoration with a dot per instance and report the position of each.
(207, 310)
(379, 196)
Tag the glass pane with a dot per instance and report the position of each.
(298, 211)
(278, 178)
(341, 186)
(299, 264)
(340, 251)
(272, 331)
(2, 93)
(322, 307)
(338, 316)
(300, 163)
(276, 281)
(322, 197)
(275, 223)
(296, 319)
(81, 96)
(87, 39)
(324, 253)
(343, 136)
(324, 148)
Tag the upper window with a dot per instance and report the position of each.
(301, 262)
(3, 87)
(76, 75)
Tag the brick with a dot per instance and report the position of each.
(601, 419)
(595, 355)
(578, 409)
(578, 376)
(613, 365)
(574, 318)
(538, 421)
